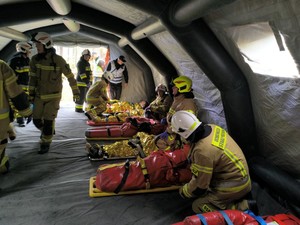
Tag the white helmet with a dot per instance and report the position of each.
(184, 123)
(108, 75)
(23, 46)
(86, 52)
(161, 87)
(43, 38)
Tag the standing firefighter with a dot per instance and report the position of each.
(83, 78)
(220, 172)
(9, 89)
(45, 86)
(20, 64)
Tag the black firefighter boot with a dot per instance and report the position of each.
(44, 148)
(4, 165)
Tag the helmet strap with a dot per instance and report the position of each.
(200, 133)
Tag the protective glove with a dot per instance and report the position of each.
(163, 121)
(76, 98)
(164, 135)
(181, 192)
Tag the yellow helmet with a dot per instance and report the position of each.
(183, 83)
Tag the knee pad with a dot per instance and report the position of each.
(48, 127)
(38, 123)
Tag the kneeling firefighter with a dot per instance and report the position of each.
(220, 172)
(97, 97)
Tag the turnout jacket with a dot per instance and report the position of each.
(9, 89)
(217, 164)
(161, 105)
(45, 76)
(182, 103)
(20, 64)
(84, 73)
(97, 93)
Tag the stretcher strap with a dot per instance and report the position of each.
(202, 219)
(118, 118)
(108, 132)
(144, 171)
(227, 219)
(257, 218)
(124, 178)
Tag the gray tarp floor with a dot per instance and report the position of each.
(54, 188)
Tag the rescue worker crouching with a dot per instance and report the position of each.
(45, 86)
(97, 97)
(83, 78)
(220, 172)
(9, 89)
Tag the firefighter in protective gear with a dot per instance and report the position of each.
(9, 89)
(84, 74)
(183, 100)
(159, 108)
(220, 171)
(20, 64)
(97, 98)
(45, 86)
(183, 97)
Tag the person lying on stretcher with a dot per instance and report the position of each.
(131, 127)
(123, 149)
(159, 169)
(116, 111)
